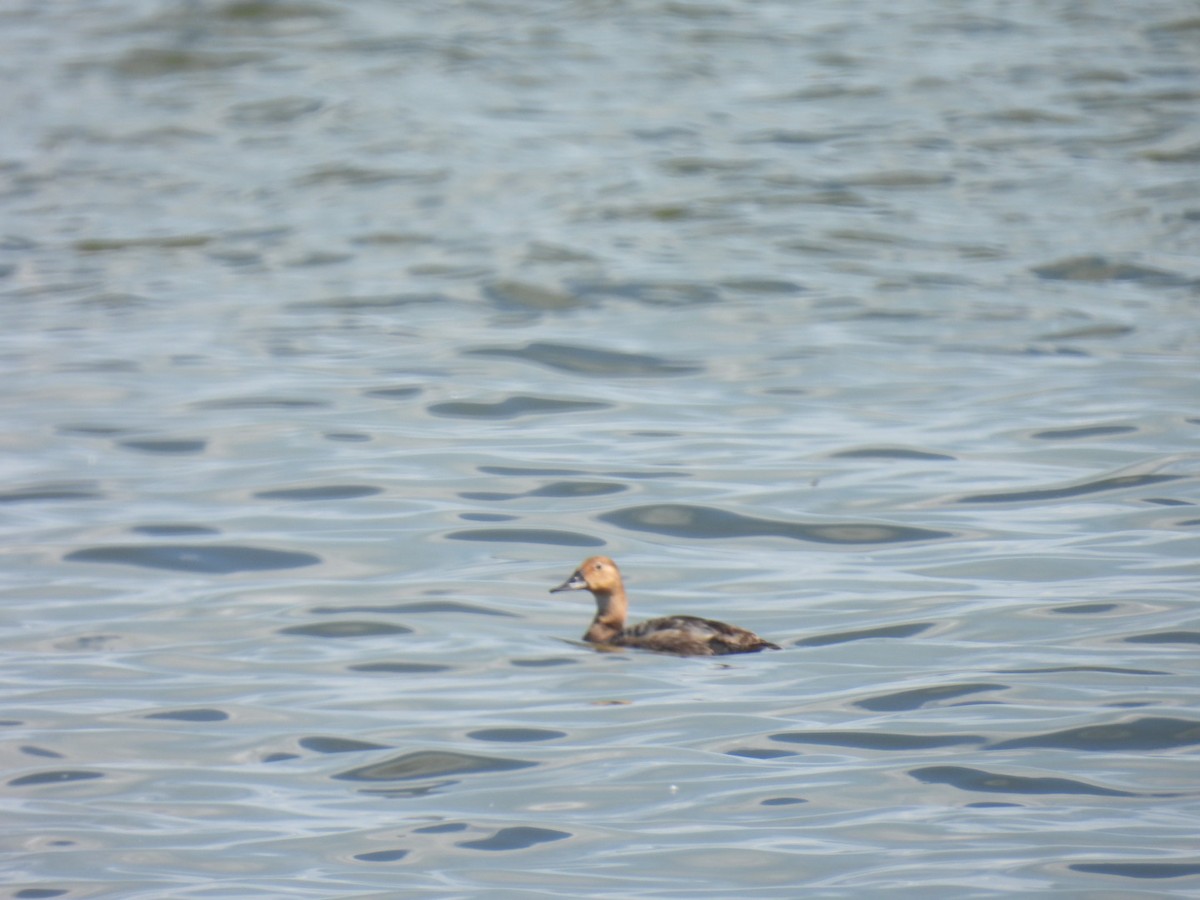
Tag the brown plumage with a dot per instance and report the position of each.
(685, 635)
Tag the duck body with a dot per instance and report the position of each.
(683, 635)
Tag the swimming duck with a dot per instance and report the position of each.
(685, 635)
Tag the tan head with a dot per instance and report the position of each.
(597, 574)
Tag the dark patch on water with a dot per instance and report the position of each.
(190, 715)
(104, 431)
(519, 838)
(382, 856)
(704, 522)
(321, 492)
(590, 361)
(877, 740)
(782, 801)
(62, 776)
(42, 893)
(431, 764)
(763, 286)
(412, 791)
(577, 489)
(634, 475)
(1165, 637)
(1112, 670)
(759, 753)
(1145, 870)
(160, 62)
(163, 242)
(526, 536)
(425, 606)
(401, 668)
(259, 403)
(321, 744)
(1084, 609)
(652, 293)
(993, 804)
(50, 492)
(349, 303)
(979, 780)
(1083, 431)
(348, 437)
(168, 530)
(168, 447)
(891, 453)
(87, 642)
(865, 634)
(525, 472)
(213, 559)
(915, 699)
(544, 663)
(393, 393)
(486, 517)
(559, 489)
(1116, 483)
(512, 408)
(40, 751)
(515, 735)
(519, 295)
(346, 629)
(1151, 733)
(1100, 268)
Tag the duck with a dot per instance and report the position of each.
(681, 635)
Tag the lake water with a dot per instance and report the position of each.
(334, 335)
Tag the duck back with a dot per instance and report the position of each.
(691, 636)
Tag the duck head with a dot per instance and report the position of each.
(597, 574)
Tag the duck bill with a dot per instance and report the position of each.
(574, 583)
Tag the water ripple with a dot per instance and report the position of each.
(882, 740)
(1100, 268)
(216, 559)
(347, 629)
(59, 776)
(865, 634)
(590, 360)
(1151, 733)
(50, 492)
(968, 779)
(515, 735)
(547, 536)
(892, 453)
(915, 699)
(190, 715)
(705, 522)
(321, 744)
(1100, 485)
(175, 447)
(556, 490)
(516, 838)
(421, 606)
(431, 764)
(321, 492)
(512, 408)
(1165, 637)
(1139, 869)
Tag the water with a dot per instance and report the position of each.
(333, 336)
